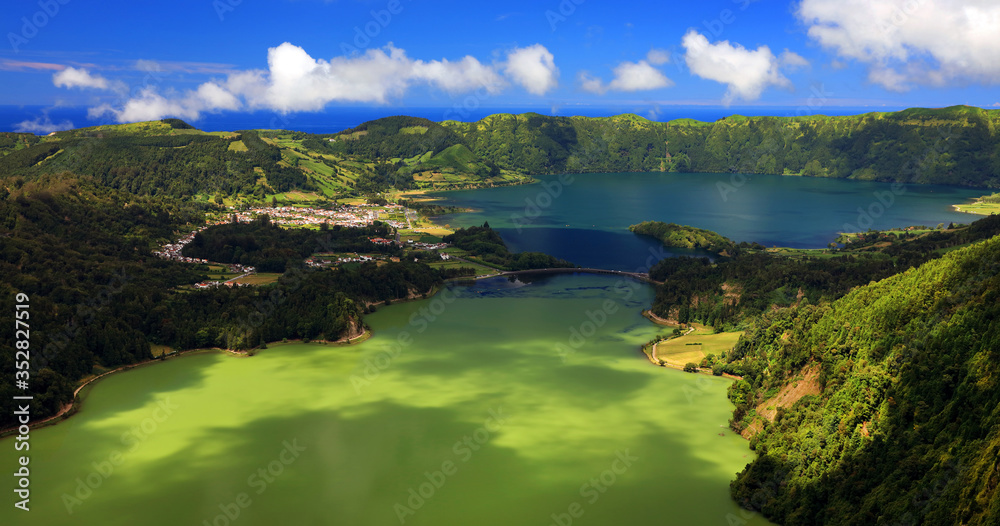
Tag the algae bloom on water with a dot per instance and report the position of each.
(479, 410)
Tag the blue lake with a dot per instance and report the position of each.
(584, 218)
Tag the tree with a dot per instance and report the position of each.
(690, 367)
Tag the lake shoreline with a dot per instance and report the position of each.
(76, 403)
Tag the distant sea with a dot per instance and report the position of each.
(338, 118)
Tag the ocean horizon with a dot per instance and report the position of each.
(339, 118)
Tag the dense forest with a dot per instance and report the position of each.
(174, 165)
(99, 299)
(905, 428)
(897, 421)
(959, 145)
(750, 281)
(485, 244)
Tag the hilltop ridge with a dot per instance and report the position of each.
(958, 145)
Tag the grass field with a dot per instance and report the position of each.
(678, 352)
(237, 146)
(296, 197)
(979, 208)
(261, 278)
(480, 269)
(426, 227)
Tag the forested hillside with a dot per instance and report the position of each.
(905, 428)
(99, 299)
(751, 281)
(175, 165)
(958, 145)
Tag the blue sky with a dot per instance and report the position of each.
(129, 60)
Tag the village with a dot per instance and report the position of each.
(299, 217)
(343, 215)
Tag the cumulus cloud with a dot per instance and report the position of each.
(295, 81)
(42, 126)
(629, 76)
(747, 73)
(638, 76)
(934, 42)
(534, 68)
(79, 78)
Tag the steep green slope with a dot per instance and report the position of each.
(751, 280)
(394, 137)
(906, 426)
(957, 145)
(160, 158)
(422, 154)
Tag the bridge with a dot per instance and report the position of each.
(641, 276)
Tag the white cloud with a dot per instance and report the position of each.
(936, 42)
(792, 60)
(591, 84)
(149, 105)
(79, 78)
(629, 76)
(638, 76)
(295, 81)
(534, 68)
(889, 79)
(42, 126)
(658, 57)
(746, 72)
(216, 97)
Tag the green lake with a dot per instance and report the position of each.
(498, 403)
